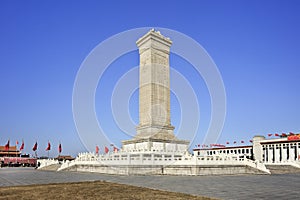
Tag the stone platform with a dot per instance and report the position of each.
(162, 163)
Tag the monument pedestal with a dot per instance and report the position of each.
(164, 132)
(155, 145)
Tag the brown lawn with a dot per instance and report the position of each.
(89, 190)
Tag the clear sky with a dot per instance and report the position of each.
(255, 45)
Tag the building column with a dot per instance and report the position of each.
(295, 152)
(298, 151)
(267, 154)
(280, 153)
(277, 154)
(292, 152)
(284, 154)
(270, 153)
(288, 156)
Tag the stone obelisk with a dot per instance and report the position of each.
(154, 96)
(154, 91)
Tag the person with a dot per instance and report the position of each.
(37, 166)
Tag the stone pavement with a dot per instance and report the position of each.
(284, 186)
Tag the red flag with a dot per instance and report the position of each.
(234, 142)
(97, 149)
(227, 142)
(270, 134)
(283, 134)
(7, 146)
(106, 150)
(276, 134)
(291, 133)
(48, 147)
(116, 149)
(251, 141)
(17, 142)
(35, 147)
(59, 148)
(22, 146)
(242, 141)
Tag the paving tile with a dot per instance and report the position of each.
(284, 186)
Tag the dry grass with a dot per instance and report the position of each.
(89, 190)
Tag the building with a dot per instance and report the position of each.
(280, 150)
(12, 157)
(241, 151)
(11, 152)
(64, 157)
(268, 151)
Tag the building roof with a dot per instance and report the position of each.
(281, 141)
(67, 157)
(10, 152)
(266, 141)
(225, 148)
(11, 148)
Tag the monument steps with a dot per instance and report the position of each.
(283, 169)
(177, 170)
(53, 167)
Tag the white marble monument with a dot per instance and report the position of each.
(155, 149)
(154, 132)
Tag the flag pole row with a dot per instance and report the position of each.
(106, 149)
(281, 135)
(34, 148)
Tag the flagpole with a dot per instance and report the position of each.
(22, 146)
(48, 148)
(8, 148)
(17, 148)
(59, 149)
(35, 149)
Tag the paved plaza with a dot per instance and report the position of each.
(284, 186)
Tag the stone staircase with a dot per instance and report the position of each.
(282, 169)
(53, 167)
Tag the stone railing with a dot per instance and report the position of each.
(46, 162)
(160, 158)
(258, 165)
(230, 160)
(124, 158)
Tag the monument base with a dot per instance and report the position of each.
(164, 132)
(154, 144)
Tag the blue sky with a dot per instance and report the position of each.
(255, 45)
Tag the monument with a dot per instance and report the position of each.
(154, 131)
(155, 149)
